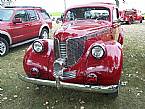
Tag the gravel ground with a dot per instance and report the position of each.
(16, 94)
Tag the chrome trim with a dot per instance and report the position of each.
(101, 45)
(81, 87)
(24, 42)
(58, 47)
(63, 49)
(58, 70)
(97, 33)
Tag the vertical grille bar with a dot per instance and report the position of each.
(56, 49)
(63, 53)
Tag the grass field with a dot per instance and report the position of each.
(16, 94)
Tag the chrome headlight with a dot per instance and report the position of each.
(37, 46)
(98, 51)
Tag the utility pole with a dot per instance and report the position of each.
(64, 4)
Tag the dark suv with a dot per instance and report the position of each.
(19, 25)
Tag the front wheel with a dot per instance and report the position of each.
(4, 47)
(140, 21)
(44, 34)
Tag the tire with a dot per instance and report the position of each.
(4, 47)
(140, 21)
(44, 34)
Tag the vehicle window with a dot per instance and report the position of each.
(21, 14)
(98, 13)
(32, 15)
(5, 14)
(44, 14)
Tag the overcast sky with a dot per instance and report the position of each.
(58, 5)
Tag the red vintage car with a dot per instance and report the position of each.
(85, 53)
(130, 15)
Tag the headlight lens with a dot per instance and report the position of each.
(37, 46)
(98, 51)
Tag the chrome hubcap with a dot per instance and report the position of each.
(2, 48)
(45, 35)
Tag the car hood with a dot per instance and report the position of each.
(80, 28)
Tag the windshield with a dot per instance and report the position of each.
(5, 15)
(98, 13)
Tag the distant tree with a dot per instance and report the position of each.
(117, 2)
(5, 2)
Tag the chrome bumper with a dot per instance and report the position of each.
(100, 89)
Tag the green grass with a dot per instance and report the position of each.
(56, 13)
(17, 94)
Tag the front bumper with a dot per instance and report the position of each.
(90, 88)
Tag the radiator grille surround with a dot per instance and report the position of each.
(71, 49)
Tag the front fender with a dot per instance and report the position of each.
(40, 65)
(107, 69)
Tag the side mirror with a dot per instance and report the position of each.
(62, 17)
(17, 20)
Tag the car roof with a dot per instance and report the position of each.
(94, 4)
(23, 7)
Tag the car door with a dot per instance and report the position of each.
(20, 30)
(35, 24)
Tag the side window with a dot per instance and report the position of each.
(32, 15)
(44, 14)
(70, 16)
(21, 14)
(115, 14)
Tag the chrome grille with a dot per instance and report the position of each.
(71, 50)
(62, 46)
(56, 49)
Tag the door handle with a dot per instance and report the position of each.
(27, 24)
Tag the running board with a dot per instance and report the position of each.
(24, 42)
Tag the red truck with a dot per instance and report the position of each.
(130, 15)
(85, 53)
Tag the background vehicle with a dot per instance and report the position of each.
(130, 15)
(85, 54)
(19, 25)
(143, 16)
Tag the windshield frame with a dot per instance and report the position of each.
(95, 7)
